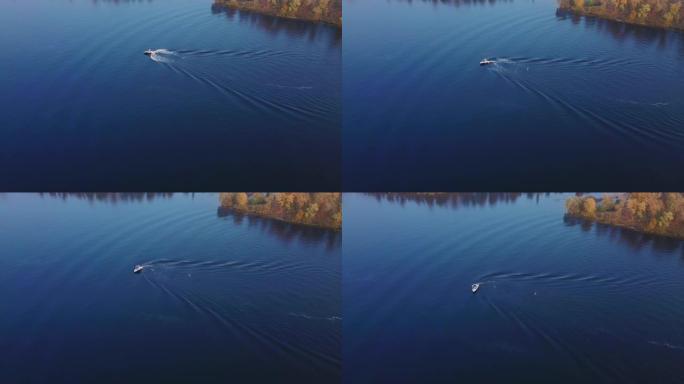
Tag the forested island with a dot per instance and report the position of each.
(326, 11)
(653, 13)
(315, 209)
(654, 213)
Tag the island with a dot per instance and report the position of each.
(653, 213)
(315, 209)
(326, 11)
(652, 13)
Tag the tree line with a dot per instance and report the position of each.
(655, 213)
(317, 209)
(657, 13)
(327, 11)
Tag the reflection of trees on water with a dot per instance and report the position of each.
(284, 231)
(115, 2)
(109, 197)
(633, 239)
(453, 199)
(661, 38)
(456, 3)
(277, 25)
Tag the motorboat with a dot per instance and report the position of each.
(149, 52)
(487, 62)
(475, 287)
(138, 268)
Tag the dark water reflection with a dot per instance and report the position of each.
(284, 231)
(453, 200)
(109, 197)
(634, 239)
(454, 3)
(624, 32)
(120, 2)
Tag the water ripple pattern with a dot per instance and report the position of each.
(221, 97)
(564, 96)
(584, 303)
(229, 298)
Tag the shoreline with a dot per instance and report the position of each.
(327, 12)
(318, 210)
(655, 214)
(646, 14)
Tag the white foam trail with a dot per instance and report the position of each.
(164, 51)
(635, 102)
(161, 55)
(302, 87)
(668, 345)
(304, 315)
(504, 61)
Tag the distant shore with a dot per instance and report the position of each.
(653, 213)
(322, 210)
(650, 13)
(325, 11)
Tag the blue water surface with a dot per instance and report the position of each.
(234, 101)
(221, 298)
(560, 300)
(571, 103)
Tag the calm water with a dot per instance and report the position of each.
(571, 103)
(222, 298)
(560, 301)
(232, 97)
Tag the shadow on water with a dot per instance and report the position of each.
(118, 2)
(110, 197)
(286, 232)
(635, 240)
(279, 25)
(659, 37)
(271, 24)
(618, 30)
(454, 200)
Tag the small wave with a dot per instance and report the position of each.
(309, 317)
(559, 278)
(188, 266)
(232, 53)
(667, 345)
(302, 87)
(212, 310)
(653, 104)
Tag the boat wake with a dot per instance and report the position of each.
(309, 317)
(300, 87)
(237, 314)
(261, 267)
(655, 122)
(558, 279)
(252, 95)
(162, 55)
(667, 345)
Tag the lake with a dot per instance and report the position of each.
(222, 297)
(571, 104)
(229, 96)
(560, 300)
